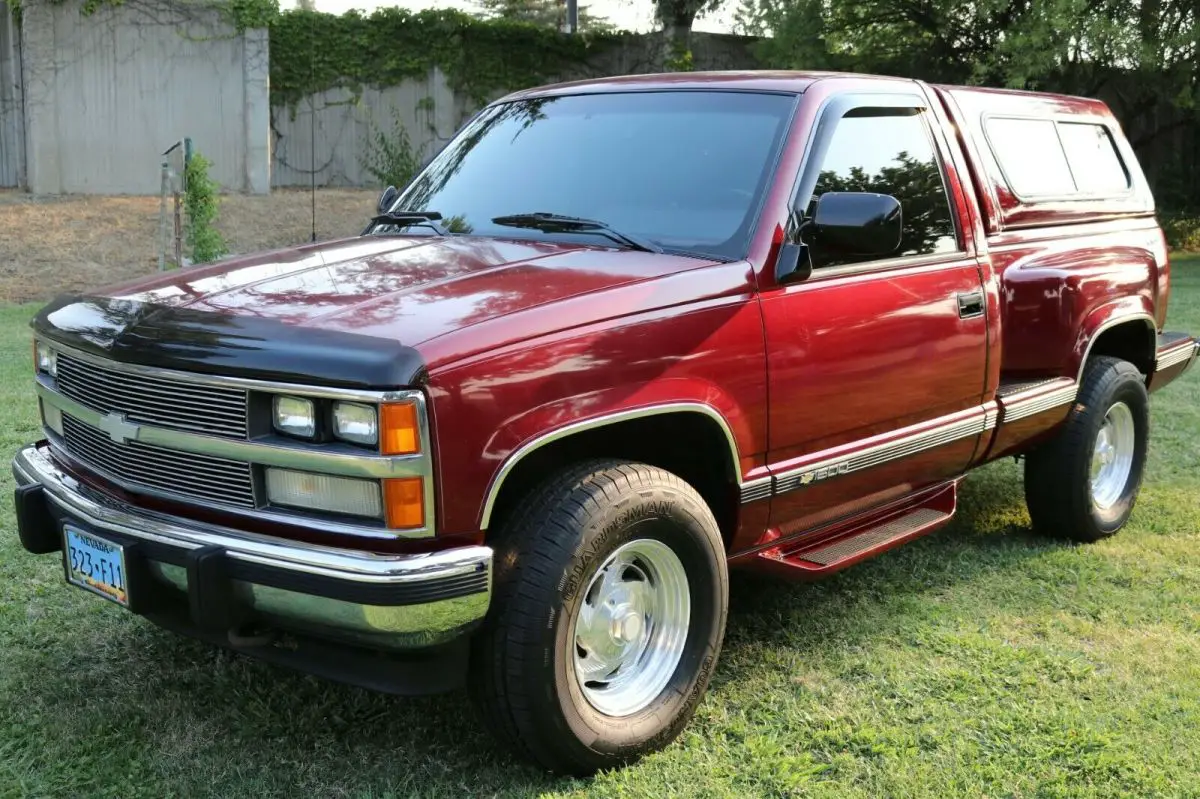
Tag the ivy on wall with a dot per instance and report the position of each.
(312, 51)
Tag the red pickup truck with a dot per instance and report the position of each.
(617, 338)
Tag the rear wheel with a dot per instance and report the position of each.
(1083, 484)
(606, 620)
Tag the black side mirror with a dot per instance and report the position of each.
(388, 199)
(857, 223)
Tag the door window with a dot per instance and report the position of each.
(889, 151)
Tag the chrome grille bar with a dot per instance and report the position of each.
(166, 402)
(136, 464)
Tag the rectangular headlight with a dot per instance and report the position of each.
(356, 423)
(324, 492)
(295, 416)
(47, 359)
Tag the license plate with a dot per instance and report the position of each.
(96, 564)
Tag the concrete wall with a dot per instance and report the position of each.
(431, 111)
(12, 124)
(428, 110)
(106, 94)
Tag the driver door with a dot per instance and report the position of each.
(876, 364)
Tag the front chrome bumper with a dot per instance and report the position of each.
(223, 576)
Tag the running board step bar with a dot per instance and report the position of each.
(873, 539)
(810, 558)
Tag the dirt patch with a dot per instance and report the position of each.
(52, 245)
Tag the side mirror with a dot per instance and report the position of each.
(857, 223)
(388, 199)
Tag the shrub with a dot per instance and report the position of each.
(201, 204)
(1182, 230)
(389, 156)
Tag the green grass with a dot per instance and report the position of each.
(979, 661)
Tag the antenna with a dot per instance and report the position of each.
(312, 117)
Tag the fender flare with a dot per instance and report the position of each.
(558, 434)
(1105, 318)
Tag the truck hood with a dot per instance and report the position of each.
(410, 289)
(404, 291)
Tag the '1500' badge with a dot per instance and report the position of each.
(824, 472)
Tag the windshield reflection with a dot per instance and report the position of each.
(685, 170)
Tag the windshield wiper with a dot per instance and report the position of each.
(557, 223)
(427, 219)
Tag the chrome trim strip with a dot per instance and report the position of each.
(880, 454)
(1120, 320)
(364, 567)
(265, 514)
(991, 415)
(1175, 356)
(1023, 407)
(754, 490)
(590, 424)
(269, 386)
(281, 452)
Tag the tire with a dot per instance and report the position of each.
(550, 582)
(1066, 496)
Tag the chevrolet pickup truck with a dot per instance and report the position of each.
(617, 338)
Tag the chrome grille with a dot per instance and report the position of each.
(184, 474)
(160, 401)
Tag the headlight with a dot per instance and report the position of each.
(47, 360)
(356, 423)
(295, 416)
(324, 492)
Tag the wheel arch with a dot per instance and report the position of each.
(1128, 334)
(652, 435)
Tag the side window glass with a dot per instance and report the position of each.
(889, 151)
(1093, 157)
(1031, 156)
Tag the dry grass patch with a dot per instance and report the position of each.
(50, 245)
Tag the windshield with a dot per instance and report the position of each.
(685, 170)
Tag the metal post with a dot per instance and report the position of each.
(178, 233)
(164, 187)
(572, 16)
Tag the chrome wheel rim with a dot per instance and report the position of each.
(631, 627)
(1112, 456)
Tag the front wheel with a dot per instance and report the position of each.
(606, 620)
(1084, 483)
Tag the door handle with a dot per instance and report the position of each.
(970, 304)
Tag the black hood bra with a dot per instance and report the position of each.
(134, 332)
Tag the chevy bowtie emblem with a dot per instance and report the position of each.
(119, 429)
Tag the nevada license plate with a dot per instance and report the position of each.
(96, 564)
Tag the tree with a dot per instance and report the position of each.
(1141, 56)
(547, 13)
(677, 18)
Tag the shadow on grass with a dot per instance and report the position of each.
(208, 721)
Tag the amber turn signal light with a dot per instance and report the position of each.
(399, 433)
(404, 501)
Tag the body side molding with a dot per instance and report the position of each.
(948, 431)
(1038, 399)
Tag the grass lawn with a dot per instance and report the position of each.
(980, 661)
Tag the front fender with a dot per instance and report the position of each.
(490, 412)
